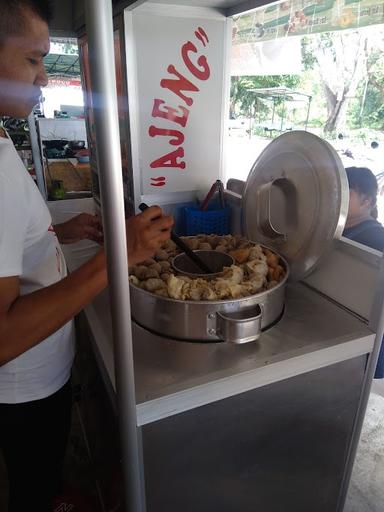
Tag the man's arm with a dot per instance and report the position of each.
(27, 320)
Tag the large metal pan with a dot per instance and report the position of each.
(235, 321)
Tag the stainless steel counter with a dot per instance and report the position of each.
(174, 376)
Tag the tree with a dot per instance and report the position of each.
(244, 100)
(368, 109)
(64, 48)
(341, 60)
(71, 49)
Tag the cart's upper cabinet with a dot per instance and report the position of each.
(63, 23)
(70, 18)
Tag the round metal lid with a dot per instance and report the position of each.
(296, 199)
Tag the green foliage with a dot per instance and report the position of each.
(311, 43)
(365, 104)
(307, 56)
(64, 48)
(244, 101)
(71, 49)
(367, 109)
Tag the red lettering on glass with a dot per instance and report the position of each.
(170, 113)
(158, 182)
(179, 85)
(204, 72)
(202, 34)
(177, 137)
(170, 160)
(198, 66)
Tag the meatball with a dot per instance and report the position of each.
(148, 262)
(161, 255)
(205, 246)
(169, 246)
(133, 280)
(154, 284)
(140, 271)
(156, 266)
(193, 243)
(165, 266)
(165, 276)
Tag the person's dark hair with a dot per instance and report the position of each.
(13, 16)
(363, 181)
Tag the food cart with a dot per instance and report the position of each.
(272, 424)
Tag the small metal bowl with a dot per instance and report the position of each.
(214, 259)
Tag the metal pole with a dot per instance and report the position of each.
(99, 25)
(308, 109)
(363, 100)
(250, 122)
(282, 116)
(37, 161)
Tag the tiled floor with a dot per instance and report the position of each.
(378, 387)
(366, 492)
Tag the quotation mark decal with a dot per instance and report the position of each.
(158, 182)
(202, 36)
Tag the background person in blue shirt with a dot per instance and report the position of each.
(362, 225)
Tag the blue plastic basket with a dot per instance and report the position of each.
(212, 221)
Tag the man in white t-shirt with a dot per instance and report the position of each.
(37, 299)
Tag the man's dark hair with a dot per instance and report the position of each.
(14, 18)
(363, 181)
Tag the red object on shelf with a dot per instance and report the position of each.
(208, 197)
(83, 152)
(217, 186)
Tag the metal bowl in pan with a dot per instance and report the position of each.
(215, 260)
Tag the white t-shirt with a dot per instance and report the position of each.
(29, 248)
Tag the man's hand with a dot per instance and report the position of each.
(146, 232)
(79, 228)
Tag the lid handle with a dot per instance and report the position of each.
(277, 208)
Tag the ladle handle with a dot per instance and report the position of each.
(184, 247)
